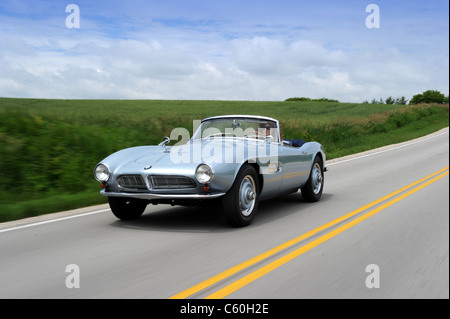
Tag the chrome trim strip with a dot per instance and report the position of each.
(161, 196)
(239, 116)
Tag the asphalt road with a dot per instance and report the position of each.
(398, 246)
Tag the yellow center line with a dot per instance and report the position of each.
(227, 273)
(222, 293)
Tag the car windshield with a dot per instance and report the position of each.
(238, 127)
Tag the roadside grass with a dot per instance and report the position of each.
(49, 204)
(49, 148)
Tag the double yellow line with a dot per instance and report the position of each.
(236, 285)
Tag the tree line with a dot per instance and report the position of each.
(430, 96)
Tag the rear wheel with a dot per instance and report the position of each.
(126, 208)
(312, 191)
(241, 202)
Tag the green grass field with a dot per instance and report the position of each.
(49, 148)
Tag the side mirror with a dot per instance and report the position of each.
(166, 141)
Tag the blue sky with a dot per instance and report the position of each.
(228, 50)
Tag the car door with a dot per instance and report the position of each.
(271, 168)
(295, 163)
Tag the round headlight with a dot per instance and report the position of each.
(101, 173)
(204, 173)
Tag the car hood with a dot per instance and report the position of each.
(194, 152)
(191, 152)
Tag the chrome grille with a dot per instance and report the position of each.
(171, 182)
(132, 181)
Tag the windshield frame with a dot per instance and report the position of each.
(236, 122)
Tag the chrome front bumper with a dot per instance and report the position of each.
(149, 196)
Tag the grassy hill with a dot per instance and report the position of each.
(49, 148)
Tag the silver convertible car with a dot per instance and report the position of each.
(233, 161)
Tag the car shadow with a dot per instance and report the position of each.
(195, 219)
(281, 207)
(210, 219)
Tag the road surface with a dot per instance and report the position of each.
(381, 230)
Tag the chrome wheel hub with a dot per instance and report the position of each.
(317, 179)
(247, 195)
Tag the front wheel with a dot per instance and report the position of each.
(127, 208)
(312, 191)
(241, 202)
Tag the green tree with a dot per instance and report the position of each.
(429, 96)
(401, 101)
(390, 100)
(377, 102)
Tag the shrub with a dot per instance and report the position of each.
(307, 99)
(325, 100)
(298, 99)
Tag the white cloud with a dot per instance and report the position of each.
(205, 65)
(265, 56)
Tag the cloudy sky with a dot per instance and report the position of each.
(223, 50)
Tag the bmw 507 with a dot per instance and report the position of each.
(235, 161)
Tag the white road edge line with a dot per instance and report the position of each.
(53, 220)
(334, 163)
